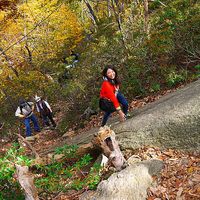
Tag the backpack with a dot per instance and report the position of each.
(21, 107)
(106, 105)
(44, 109)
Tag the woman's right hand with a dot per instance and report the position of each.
(122, 116)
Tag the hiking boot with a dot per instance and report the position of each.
(128, 116)
(30, 138)
(46, 128)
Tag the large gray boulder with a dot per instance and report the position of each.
(172, 122)
(128, 184)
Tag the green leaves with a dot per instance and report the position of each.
(85, 160)
(197, 67)
(67, 174)
(13, 156)
(9, 184)
(173, 78)
(155, 87)
(68, 150)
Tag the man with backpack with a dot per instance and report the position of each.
(45, 111)
(25, 112)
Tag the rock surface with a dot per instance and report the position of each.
(173, 121)
(128, 184)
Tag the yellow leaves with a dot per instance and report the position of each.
(190, 170)
(13, 29)
(60, 27)
(66, 22)
(52, 29)
(25, 85)
(2, 15)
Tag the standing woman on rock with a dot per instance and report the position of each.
(111, 99)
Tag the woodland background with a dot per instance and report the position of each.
(153, 44)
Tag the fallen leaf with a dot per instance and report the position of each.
(196, 178)
(178, 195)
(190, 170)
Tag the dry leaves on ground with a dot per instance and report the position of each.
(180, 178)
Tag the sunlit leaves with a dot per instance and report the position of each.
(31, 40)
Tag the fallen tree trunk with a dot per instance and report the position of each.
(26, 181)
(28, 145)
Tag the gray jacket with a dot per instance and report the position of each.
(26, 110)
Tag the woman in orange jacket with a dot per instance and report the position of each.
(110, 98)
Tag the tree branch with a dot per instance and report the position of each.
(28, 144)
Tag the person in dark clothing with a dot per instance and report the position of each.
(45, 111)
(76, 58)
(1, 125)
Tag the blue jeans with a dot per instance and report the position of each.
(27, 124)
(124, 105)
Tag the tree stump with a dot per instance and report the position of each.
(106, 141)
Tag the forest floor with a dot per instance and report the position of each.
(179, 179)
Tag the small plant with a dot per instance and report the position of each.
(197, 67)
(155, 87)
(58, 176)
(84, 161)
(173, 78)
(66, 175)
(94, 177)
(68, 150)
(9, 187)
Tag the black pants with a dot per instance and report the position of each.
(47, 117)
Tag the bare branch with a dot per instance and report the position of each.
(28, 144)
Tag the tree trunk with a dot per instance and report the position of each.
(26, 181)
(108, 8)
(91, 12)
(29, 55)
(146, 18)
(118, 20)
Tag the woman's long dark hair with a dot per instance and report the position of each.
(116, 79)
